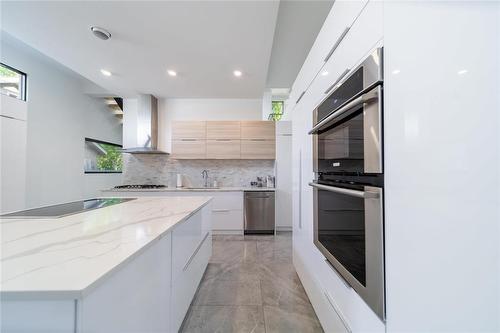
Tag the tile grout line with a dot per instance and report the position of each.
(262, 306)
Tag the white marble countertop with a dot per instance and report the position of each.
(62, 258)
(186, 189)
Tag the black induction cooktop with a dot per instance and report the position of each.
(65, 209)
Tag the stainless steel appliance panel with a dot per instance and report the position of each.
(348, 122)
(259, 212)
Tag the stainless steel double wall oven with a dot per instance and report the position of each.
(349, 180)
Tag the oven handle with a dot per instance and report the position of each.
(346, 191)
(352, 104)
(343, 109)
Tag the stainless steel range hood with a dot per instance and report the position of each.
(140, 127)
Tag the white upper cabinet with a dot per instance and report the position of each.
(335, 29)
(365, 34)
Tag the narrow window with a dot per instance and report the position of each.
(276, 110)
(102, 157)
(12, 82)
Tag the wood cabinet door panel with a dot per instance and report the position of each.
(189, 130)
(189, 149)
(223, 130)
(258, 149)
(264, 130)
(223, 149)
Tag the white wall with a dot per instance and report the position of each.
(204, 109)
(60, 116)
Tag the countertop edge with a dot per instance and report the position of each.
(48, 295)
(187, 190)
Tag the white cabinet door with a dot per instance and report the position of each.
(13, 160)
(227, 221)
(365, 34)
(335, 28)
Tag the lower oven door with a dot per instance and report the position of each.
(349, 232)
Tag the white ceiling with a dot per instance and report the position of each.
(297, 26)
(204, 41)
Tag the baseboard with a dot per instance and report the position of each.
(284, 228)
(227, 232)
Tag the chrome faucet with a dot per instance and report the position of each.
(204, 174)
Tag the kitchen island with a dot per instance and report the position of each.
(130, 267)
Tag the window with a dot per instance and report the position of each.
(12, 82)
(277, 110)
(102, 157)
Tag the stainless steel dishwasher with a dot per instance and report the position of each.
(259, 212)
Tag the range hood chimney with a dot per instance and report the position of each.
(140, 127)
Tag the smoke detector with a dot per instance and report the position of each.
(100, 33)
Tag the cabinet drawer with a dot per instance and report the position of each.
(227, 200)
(223, 130)
(189, 130)
(186, 237)
(189, 149)
(258, 149)
(185, 284)
(223, 149)
(264, 130)
(224, 219)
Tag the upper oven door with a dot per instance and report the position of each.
(351, 84)
(350, 139)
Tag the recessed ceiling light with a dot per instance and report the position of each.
(100, 33)
(396, 71)
(324, 73)
(105, 72)
(171, 72)
(462, 72)
(237, 73)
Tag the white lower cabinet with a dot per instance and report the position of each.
(227, 207)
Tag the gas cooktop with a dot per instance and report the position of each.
(139, 186)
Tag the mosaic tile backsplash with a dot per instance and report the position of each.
(163, 170)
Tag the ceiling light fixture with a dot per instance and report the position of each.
(171, 72)
(396, 71)
(462, 72)
(237, 73)
(100, 33)
(324, 73)
(105, 72)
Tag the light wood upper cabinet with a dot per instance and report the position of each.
(258, 149)
(189, 130)
(223, 140)
(223, 149)
(263, 130)
(223, 130)
(189, 149)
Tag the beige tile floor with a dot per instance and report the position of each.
(250, 285)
